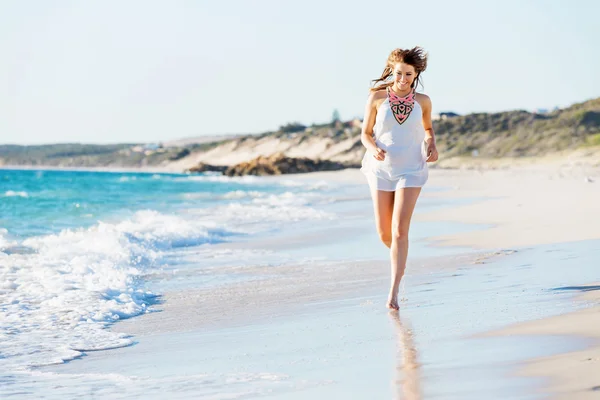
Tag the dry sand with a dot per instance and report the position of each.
(527, 205)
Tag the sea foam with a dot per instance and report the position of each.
(59, 298)
(61, 294)
(13, 193)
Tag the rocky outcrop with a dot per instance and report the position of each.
(202, 167)
(279, 164)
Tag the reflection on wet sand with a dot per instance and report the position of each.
(406, 384)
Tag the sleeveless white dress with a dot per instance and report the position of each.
(406, 152)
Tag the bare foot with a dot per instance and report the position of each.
(392, 302)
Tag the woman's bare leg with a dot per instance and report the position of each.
(404, 205)
(383, 205)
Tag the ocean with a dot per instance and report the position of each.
(80, 250)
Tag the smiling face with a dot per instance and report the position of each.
(404, 75)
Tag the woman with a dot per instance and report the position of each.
(399, 138)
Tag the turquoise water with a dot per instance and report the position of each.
(44, 202)
(80, 250)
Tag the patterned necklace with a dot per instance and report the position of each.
(401, 106)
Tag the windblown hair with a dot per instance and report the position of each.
(417, 57)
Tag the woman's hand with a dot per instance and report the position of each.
(379, 154)
(432, 153)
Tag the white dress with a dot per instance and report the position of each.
(406, 152)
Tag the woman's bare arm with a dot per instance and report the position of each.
(366, 136)
(425, 102)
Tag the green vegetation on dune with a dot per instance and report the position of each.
(520, 133)
(593, 140)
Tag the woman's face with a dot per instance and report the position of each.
(404, 75)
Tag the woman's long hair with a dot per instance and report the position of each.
(417, 57)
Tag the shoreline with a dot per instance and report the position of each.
(499, 355)
(458, 182)
(360, 278)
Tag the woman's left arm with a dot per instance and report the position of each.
(432, 153)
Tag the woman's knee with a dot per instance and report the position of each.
(399, 234)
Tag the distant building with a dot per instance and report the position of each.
(444, 115)
(147, 148)
(545, 111)
(152, 146)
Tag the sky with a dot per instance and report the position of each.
(146, 71)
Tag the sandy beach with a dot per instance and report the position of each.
(532, 206)
(491, 304)
(183, 214)
(548, 201)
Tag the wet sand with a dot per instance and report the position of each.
(574, 375)
(532, 206)
(337, 340)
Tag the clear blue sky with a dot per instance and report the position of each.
(142, 71)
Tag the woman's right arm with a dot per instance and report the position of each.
(366, 135)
